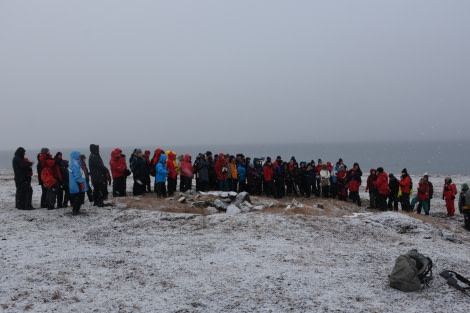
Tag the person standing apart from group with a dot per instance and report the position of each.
(448, 194)
(23, 171)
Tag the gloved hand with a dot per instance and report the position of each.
(82, 186)
(442, 197)
(453, 197)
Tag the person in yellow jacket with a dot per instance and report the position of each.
(232, 174)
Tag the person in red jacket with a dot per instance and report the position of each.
(221, 172)
(119, 172)
(51, 178)
(268, 177)
(341, 179)
(448, 193)
(354, 183)
(381, 183)
(422, 196)
(405, 186)
(187, 173)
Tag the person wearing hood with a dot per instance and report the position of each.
(51, 178)
(161, 174)
(354, 183)
(139, 172)
(77, 182)
(187, 173)
(23, 171)
(172, 173)
(154, 161)
(99, 176)
(63, 195)
(464, 205)
(119, 172)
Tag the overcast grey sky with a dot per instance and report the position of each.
(151, 73)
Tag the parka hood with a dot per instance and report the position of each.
(116, 153)
(20, 152)
(75, 155)
(95, 149)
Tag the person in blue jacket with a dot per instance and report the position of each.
(161, 173)
(77, 182)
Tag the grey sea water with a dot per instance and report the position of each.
(438, 157)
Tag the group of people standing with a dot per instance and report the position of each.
(63, 181)
(386, 192)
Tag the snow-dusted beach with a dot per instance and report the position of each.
(144, 255)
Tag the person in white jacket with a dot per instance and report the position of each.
(325, 181)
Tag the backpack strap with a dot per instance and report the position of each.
(426, 275)
(449, 276)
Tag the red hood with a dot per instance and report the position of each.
(116, 153)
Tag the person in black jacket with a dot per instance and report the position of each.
(63, 193)
(139, 172)
(393, 185)
(99, 176)
(23, 172)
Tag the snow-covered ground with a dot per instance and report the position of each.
(140, 256)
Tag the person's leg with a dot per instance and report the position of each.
(28, 198)
(19, 197)
(425, 207)
(43, 197)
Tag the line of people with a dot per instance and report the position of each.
(61, 181)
